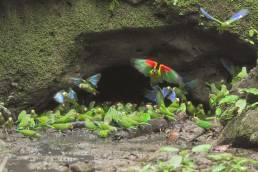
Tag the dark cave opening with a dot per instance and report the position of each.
(119, 84)
(192, 52)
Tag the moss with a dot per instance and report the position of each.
(222, 9)
(38, 38)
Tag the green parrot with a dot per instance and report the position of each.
(236, 16)
(89, 85)
(158, 73)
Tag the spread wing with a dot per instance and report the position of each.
(238, 15)
(207, 15)
(76, 81)
(72, 94)
(172, 96)
(94, 79)
(58, 97)
(165, 91)
(169, 75)
(144, 65)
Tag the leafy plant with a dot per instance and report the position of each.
(241, 75)
(183, 160)
(229, 162)
(202, 148)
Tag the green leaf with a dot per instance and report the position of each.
(90, 124)
(218, 168)
(218, 111)
(243, 73)
(103, 133)
(230, 99)
(254, 105)
(168, 149)
(241, 104)
(253, 91)
(182, 108)
(202, 148)
(176, 161)
(22, 115)
(160, 99)
(109, 115)
(105, 126)
(221, 156)
(146, 168)
(29, 133)
(140, 117)
(63, 126)
(203, 123)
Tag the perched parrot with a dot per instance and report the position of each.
(166, 92)
(89, 84)
(62, 95)
(158, 73)
(238, 15)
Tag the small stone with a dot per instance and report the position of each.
(134, 2)
(14, 84)
(82, 167)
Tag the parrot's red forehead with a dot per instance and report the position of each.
(151, 63)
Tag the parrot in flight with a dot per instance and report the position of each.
(158, 73)
(62, 96)
(165, 93)
(89, 85)
(237, 16)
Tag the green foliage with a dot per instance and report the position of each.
(113, 5)
(241, 75)
(229, 162)
(25, 121)
(253, 36)
(202, 148)
(29, 133)
(205, 124)
(168, 149)
(184, 160)
(253, 91)
(225, 105)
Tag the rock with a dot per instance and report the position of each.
(241, 131)
(3, 146)
(249, 82)
(155, 125)
(82, 167)
(134, 2)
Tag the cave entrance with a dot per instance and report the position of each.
(121, 84)
(192, 52)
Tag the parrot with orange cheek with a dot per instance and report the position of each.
(158, 73)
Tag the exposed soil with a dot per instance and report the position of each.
(80, 150)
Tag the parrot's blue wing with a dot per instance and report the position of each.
(238, 15)
(58, 97)
(76, 81)
(72, 94)
(94, 79)
(151, 95)
(206, 14)
(172, 96)
(165, 91)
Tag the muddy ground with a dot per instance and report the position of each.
(80, 150)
